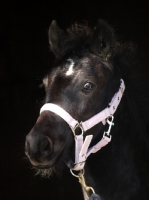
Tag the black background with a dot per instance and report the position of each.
(24, 60)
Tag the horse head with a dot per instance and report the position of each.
(83, 91)
(82, 84)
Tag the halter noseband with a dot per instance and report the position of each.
(82, 150)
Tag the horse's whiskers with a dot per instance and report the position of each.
(46, 173)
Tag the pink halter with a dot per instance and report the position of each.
(82, 150)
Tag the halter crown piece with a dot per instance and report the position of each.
(82, 150)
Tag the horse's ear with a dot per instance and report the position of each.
(103, 40)
(56, 36)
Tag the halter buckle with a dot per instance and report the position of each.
(110, 122)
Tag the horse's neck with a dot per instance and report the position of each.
(113, 162)
(93, 174)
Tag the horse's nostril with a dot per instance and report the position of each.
(46, 147)
(38, 147)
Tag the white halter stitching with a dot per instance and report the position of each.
(81, 148)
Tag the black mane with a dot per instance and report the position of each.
(78, 38)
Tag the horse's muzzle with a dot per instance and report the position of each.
(38, 148)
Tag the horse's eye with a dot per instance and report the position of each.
(88, 86)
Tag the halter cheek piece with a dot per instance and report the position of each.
(82, 150)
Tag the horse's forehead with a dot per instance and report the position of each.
(73, 65)
(70, 68)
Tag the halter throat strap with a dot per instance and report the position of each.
(82, 150)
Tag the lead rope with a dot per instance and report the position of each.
(86, 188)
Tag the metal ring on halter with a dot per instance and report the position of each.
(112, 118)
(82, 171)
(77, 125)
